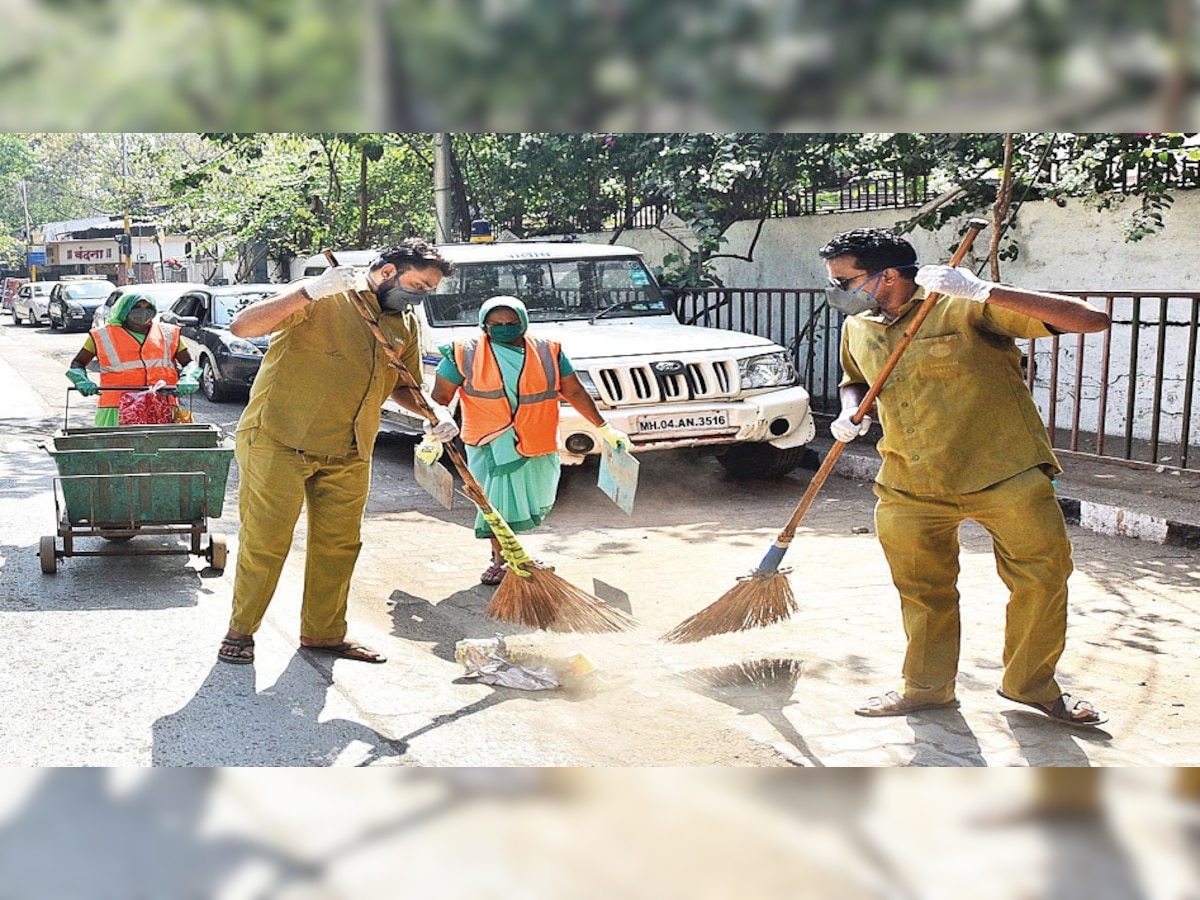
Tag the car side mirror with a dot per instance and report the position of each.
(671, 297)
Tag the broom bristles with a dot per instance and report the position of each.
(544, 600)
(755, 601)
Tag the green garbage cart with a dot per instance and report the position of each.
(119, 483)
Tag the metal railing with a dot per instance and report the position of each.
(894, 191)
(795, 318)
(1128, 393)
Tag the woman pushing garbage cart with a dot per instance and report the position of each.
(134, 352)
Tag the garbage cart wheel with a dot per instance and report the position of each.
(47, 556)
(217, 552)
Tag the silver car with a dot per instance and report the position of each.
(30, 306)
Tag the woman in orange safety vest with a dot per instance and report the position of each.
(134, 352)
(509, 386)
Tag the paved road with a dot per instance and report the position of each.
(112, 662)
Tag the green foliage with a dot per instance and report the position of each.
(291, 193)
(295, 193)
(12, 252)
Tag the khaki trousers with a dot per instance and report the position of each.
(919, 535)
(275, 481)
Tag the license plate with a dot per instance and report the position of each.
(706, 421)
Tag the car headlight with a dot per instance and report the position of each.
(75, 309)
(588, 385)
(767, 370)
(241, 347)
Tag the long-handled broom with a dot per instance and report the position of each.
(765, 596)
(531, 593)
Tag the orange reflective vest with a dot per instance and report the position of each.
(486, 411)
(126, 363)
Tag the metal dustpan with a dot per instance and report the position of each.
(619, 477)
(437, 481)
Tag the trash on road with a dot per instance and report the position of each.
(487, 659)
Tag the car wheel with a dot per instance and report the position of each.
(210, 383)
(54, 326)
(763, 460)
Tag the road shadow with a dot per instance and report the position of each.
(942, 737)
(458, 617)
(227, 723)
(123, 581)
(1047, 743)
(762, 687)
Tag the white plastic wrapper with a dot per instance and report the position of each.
(487, 659)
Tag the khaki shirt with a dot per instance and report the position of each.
(325, 376)
(956, 414)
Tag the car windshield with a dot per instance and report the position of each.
(226, 306)
(552, 290)
(94, 290)
(163, 298)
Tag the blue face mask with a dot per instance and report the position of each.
(855, 301)
(505, 334)
(138, 316)
(395, 298)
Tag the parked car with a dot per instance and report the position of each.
(666, 384)
(228, 364)
(73, 302)
(29, 306)
(163, 293)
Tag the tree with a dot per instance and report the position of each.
(291, 194)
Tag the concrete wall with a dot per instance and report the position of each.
(1069, 248)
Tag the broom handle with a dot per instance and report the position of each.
(774, 556)
(471, 487)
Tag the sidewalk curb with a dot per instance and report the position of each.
(1114, 520)
(1101, 518)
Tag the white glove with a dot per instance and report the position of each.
(614, 437)
(337, 280)
(845, 430)
(446, 429)
(954, 282)
(429, 450)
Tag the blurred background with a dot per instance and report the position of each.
(615, 65)
(842, 834)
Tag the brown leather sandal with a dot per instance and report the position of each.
(1065, 710)
(894, 703)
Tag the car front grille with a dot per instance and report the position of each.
(631, 385)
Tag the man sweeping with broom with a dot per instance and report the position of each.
(962, 439)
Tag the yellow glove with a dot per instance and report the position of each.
(429, 451)
(614, 437)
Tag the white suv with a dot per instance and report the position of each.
(666, 384)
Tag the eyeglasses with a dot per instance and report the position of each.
(843, 284)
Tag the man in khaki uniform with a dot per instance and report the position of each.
(307, 435)
(962, 439)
